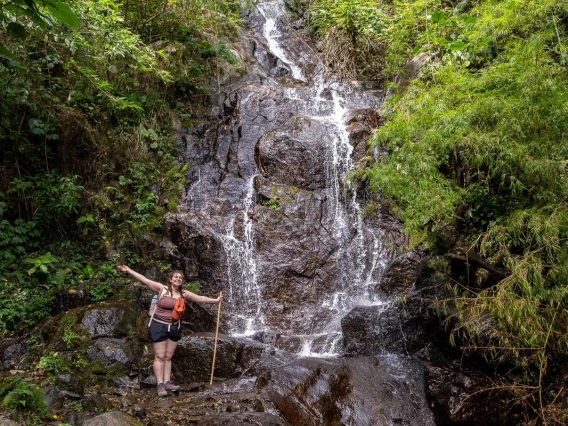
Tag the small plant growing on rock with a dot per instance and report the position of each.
(193, 286)
(25, 401)
(53, 363)
(273, 204)
(101, 292)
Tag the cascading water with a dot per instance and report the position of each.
(353, 253)
(244, 289)
(271, 34)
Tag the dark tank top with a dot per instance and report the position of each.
(165, 308)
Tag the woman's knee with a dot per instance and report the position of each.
(162, 357)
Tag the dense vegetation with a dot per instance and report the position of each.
(477, 163)
(94, 93)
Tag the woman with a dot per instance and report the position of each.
(164, 331)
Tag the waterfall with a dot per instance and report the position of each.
(270, 11)
(224, 193)
(244, 289)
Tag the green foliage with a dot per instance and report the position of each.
(23, 400)
(395, 31)
(358, 18)
(45, 199)
(91, 108)
(101, 292)
(193, 286)
(273, 204)
(41, 13)
(22, 307)
(41, 263)
(54, 364)
(477, 145)
(72, 335)
(352, 33)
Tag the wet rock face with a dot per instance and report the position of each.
(410, 327)
(243, 419)
(401, 274)
(298, 254)
(266, 217)
(196, 250)
(349, 391)
(294, 154)
(360, 123)
(194, 355)
(371, 330)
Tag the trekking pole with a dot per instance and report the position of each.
(216, 334)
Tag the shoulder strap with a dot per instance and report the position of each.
(164, 291)
(162, 294)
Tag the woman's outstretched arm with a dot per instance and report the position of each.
(201, 299)
(154, 286)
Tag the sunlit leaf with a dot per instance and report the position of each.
(63, 13)
(458, 45)
(438, 16)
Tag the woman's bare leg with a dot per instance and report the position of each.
(169, 353)
(160, 361)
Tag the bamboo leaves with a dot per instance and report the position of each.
(484, 151)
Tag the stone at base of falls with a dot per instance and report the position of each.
(375, 330)
(114, 418)
(367, 391)
(242, 419)
(234, 357)
(401, 274)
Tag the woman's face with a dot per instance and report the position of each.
(176, 280)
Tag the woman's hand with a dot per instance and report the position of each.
(123, 268)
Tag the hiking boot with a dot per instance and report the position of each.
(162, 390)
(171, 387)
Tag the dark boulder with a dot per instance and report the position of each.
(13, 352)
(349, 391)
(242, 419)
(401, 274)
(113, 319)
(111, 352)
(194, 355)
(113, 418)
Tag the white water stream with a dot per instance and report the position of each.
(360, 251)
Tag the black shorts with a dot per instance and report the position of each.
(158, 332)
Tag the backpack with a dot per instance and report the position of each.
(153, 305)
